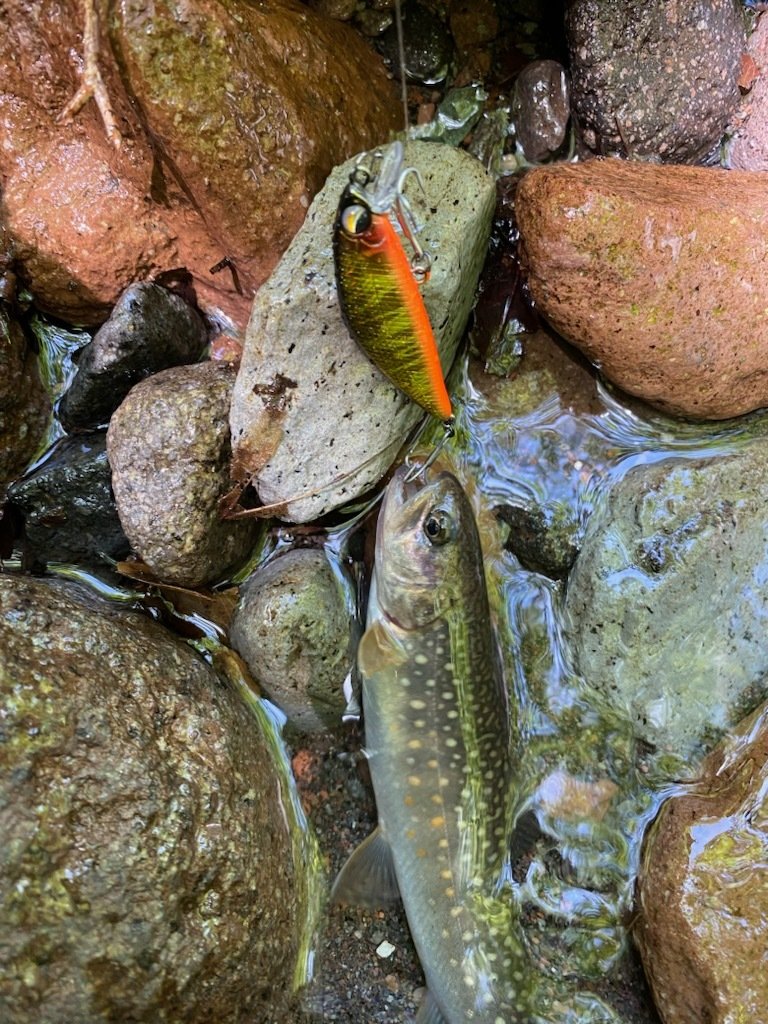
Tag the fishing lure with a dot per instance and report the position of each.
(378, 285)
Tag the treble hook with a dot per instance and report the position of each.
(421, 262)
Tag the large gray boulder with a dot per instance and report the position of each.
(152, 868)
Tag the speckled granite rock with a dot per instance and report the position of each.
(149, 869)
(748, 148)
(314, 423)
(654, 80)
(658, 275)
(703, 889)
(168, 446)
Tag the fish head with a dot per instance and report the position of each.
(426, 529)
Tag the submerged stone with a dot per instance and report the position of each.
(68, 506)
(666, 604)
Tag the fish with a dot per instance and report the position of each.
(437, 738)
(378, 285)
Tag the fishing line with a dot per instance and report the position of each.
(401, 58)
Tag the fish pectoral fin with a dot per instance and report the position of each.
(368, 878)
(379, 650)
(429, 1012)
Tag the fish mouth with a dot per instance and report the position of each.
(400, 490)
(407, 482)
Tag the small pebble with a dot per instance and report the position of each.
(385, 950)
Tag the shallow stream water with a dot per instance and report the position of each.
(549, 437)
(554, 436)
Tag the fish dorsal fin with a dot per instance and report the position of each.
(429, 1012)
(368, 878)
(379, 650)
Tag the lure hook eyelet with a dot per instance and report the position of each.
(419, 468)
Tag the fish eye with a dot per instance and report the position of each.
(437, 526)
(355, 219)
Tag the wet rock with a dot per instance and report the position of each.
(748, 149)
(455, 116)
(24, 407)
(703, 892)
(657, 275)
(343, 10)
(68, 506)
(654, 80)
(149, 871)
(502, 314)
(541, 109)
(665, 605)
(223, 160)
(168, 446)
(427, 43)
(372, 22)
(473, 23)
(310, 414)
(149, 330)
(544, 537)
(293, 627)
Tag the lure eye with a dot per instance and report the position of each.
(437, 527)
(355, 219)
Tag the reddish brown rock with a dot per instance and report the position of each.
(24, 406)
(230, 117)
(703, 890)
(658, 275)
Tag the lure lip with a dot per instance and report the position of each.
(385, 179)
(380, 189)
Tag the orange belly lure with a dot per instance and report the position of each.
(378, 284)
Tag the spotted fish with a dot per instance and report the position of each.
(437, 739)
